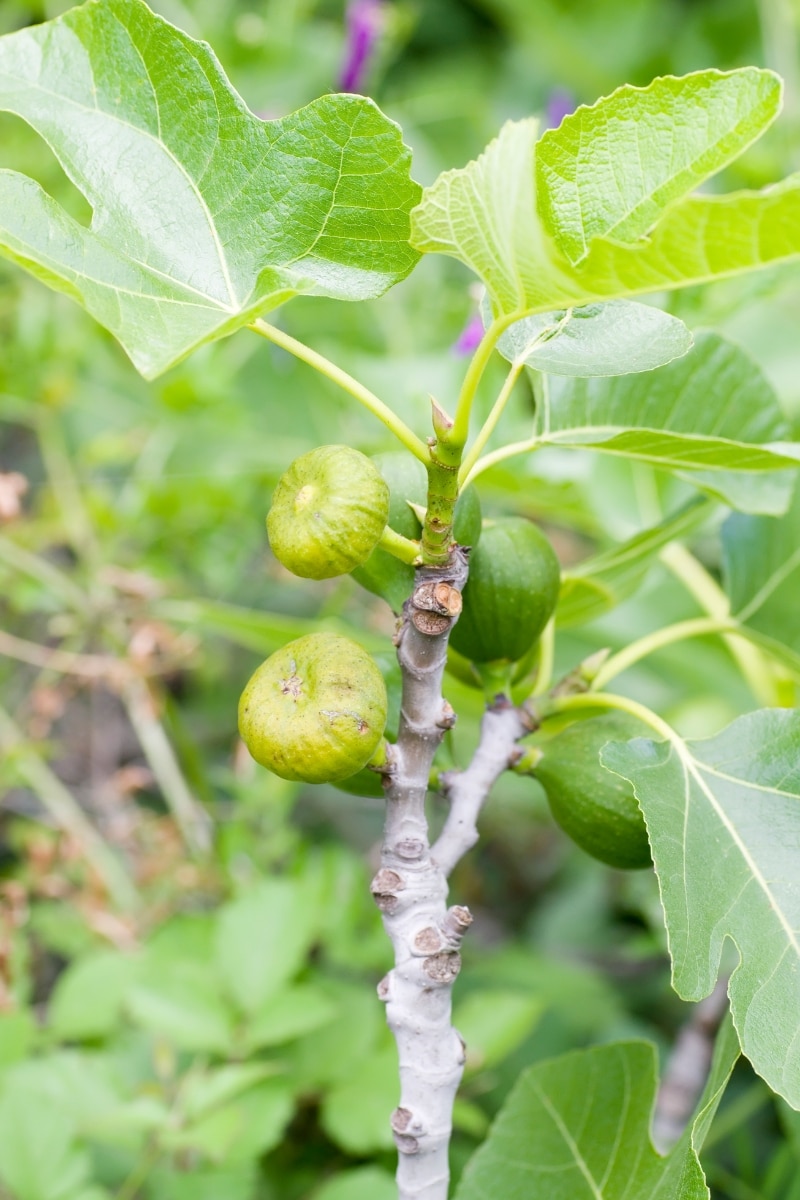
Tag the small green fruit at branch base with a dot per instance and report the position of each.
(510, 594)
(382, 573)
(595, 807)
(328, 512)
(315, 710)
(365, 783)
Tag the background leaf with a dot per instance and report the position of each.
(611, 169)
(761, 565)
(203, 216)
(723, 816)
(367, 1183)
(600, 583)
(88, 998)
(263, 938)
(39, 1157)
(616, 338)
(493, 1023)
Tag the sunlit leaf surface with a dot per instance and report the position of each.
(204, 216)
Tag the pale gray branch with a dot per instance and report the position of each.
(411, 886)
(502, 726)
(411, 892)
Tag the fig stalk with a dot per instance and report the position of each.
(443, 491)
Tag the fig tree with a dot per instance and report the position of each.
(595, 807)
(315, 710)
(328, 512)
(510, 594)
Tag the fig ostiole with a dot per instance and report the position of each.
(328, 512)
(595, 807)
(511, 592)
(315, 710)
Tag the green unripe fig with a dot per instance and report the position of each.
(595, 807)
(510, 594)
(382, 573)
(365, 783)
(315, 710)
(328, 512)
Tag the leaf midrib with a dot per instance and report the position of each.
(569, 1141)
(693, 767)
(771, 585)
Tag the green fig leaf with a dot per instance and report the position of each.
(611, 169)
(280, 916)
(516, 222)
(711, 415)
(204, 216)
(617, 338)
(723, 817)
(577, 1127)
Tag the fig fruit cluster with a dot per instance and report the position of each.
(407, 480)
(316, 710)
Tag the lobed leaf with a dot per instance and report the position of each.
(611, 169)
(723, 816)
(204, 215)
(515, 222)
(577, 1128)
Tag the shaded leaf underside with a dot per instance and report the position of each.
(711, 414)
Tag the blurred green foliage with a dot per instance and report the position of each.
(220, 1035)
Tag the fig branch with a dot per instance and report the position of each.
(502, 726)
(411, 891)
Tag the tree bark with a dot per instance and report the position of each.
(411, 886)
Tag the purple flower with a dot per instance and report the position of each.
(470, 337)
(365, 20)
(560, 103)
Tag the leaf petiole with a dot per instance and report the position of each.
(480, 359)
(710, 596)
(491, 421)
(495, 456)
(406, 549)
(549, 706)
(694, 627)
(348, 384)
